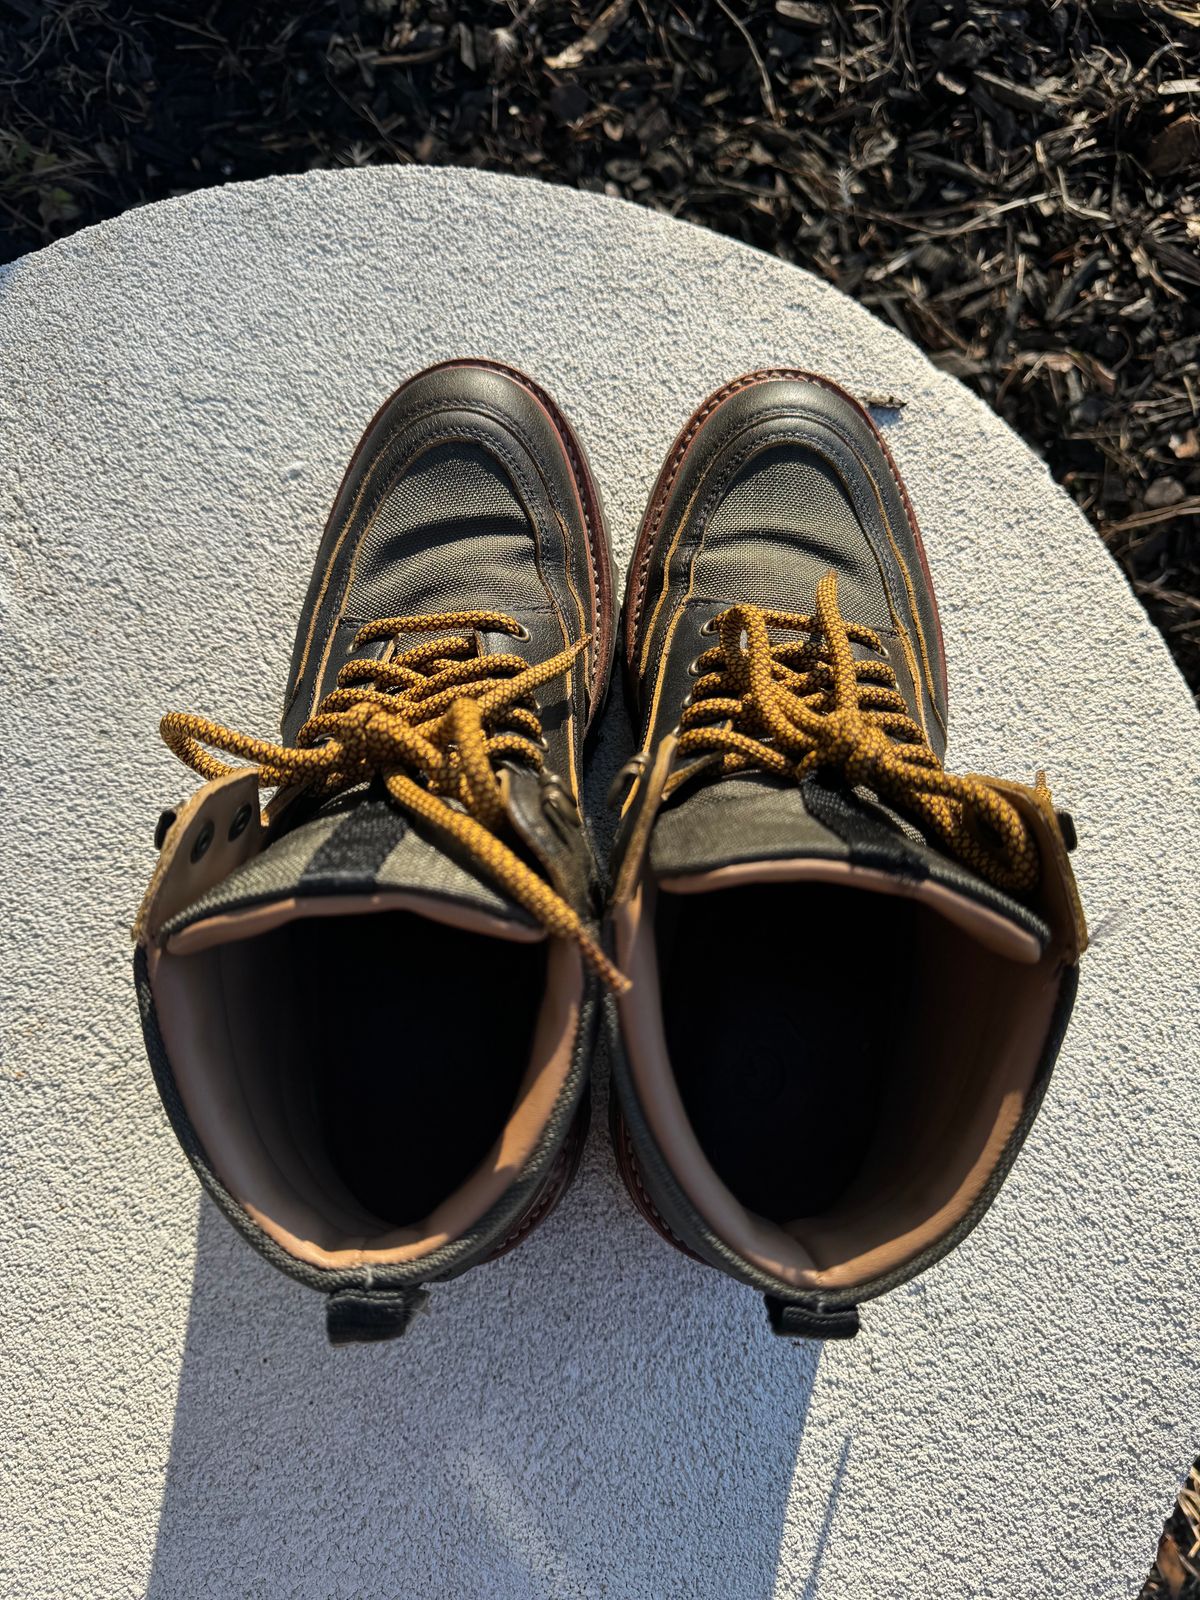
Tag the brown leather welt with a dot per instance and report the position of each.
(631, 1176)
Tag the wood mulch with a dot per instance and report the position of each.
(1016, 188)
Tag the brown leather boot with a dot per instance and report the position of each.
(851, 971)
(370, 1009)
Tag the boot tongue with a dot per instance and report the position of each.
(355, 844)
(755, 821)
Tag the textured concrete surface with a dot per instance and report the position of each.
(593, 1415)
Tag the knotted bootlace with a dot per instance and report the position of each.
(797, 705)
(433, 720)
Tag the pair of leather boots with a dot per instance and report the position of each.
(841, 973)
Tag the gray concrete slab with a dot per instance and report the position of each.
(593, 1415)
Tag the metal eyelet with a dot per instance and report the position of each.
(241, 821)
(688, 700)
(710, 626)
(203, 839)
(694, 668)
(558, 800)
(522, 635)
(1066, 826)
(621, 786)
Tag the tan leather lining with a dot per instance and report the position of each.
(991, 1011)
(230, 1059)
(181, 874)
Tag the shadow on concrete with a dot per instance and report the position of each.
(812, 1587)
(578, 1419)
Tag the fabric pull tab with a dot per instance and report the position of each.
(791, 1321)
(366, 1316)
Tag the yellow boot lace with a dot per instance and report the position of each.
(432, 720)
(796, 706)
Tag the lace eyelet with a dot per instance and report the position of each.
(522, 635)
(557, 799)
(241, 821)
(688, 700)
(630, 774)
(203, 839)
(709, 627)
(694, 668)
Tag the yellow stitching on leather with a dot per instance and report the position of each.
(433, 720)
(931, 688)
(914, 673)
(902, 631)
(798, 705)
(377, 465)
(569, 548)
(363, 489)
(666, 581)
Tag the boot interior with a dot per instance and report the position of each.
(783, 1033)
(409, 1085)
(850, 1063)
(363, 1083)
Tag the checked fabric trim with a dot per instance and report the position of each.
(792, 707)
(433, 721)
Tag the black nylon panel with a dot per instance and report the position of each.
(354, 852)
(758, 818)
(363, 846)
